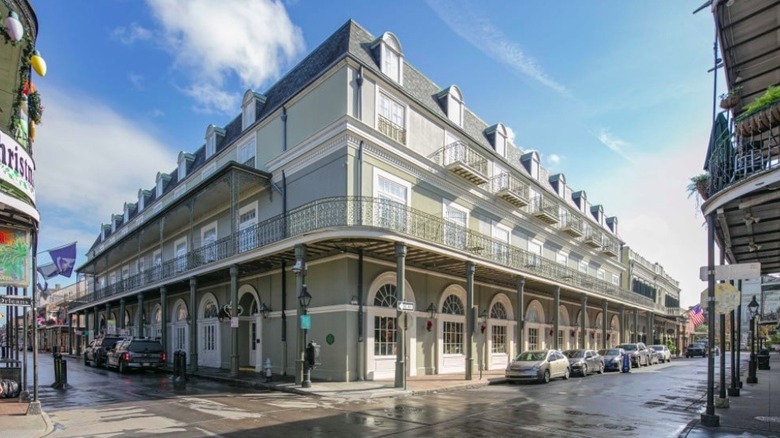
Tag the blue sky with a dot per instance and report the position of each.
(614, 94)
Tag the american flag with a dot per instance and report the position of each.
(696, 315)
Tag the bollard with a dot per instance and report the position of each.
(176, 370)
(57, 371)
(63, 373)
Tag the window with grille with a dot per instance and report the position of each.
(384, 335)
(393, 198)
(498, 311)
(501, 249)
(181, 255)
(180, 339)
(499, 339)
(452, 337)
(246, 154)
(247, 219)
(533, 338)
(561, 338)
(452, 306)
(385, 296)
(209, 337)
(392, 118)
(455, 219)
(210, 310)
(208, 243)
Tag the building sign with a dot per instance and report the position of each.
(14, 257)
(12, 300)
(17, 169)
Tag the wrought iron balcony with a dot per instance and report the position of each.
(571, 224)
(367, 213)
(461, 159)
(545, 209)
(593, 237)
(510, 189)
(390, 129)
(610, 247)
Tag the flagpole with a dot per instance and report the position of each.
(59, 247)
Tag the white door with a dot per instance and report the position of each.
(255, 344)
(209, 345)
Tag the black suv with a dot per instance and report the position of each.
(696, 350)
(136, 353)
(96, 353)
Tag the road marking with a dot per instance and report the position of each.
(217, 409)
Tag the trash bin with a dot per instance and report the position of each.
(626, 363)
(763, 359)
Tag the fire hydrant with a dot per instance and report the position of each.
(267, 369)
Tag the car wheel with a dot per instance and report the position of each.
(566, 374)
(601, 368)
(546, 376)
(122, 369)
(584, 371)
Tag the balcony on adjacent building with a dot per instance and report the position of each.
(390, 129)
(510, 189)
(571, 224)
(461, 159)
(593, 237)
(545, 209)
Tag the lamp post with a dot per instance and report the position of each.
(265, 311)
(753, 309)
(483, 320)
(304, 299)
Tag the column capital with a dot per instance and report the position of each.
(520, 281)
(400, 249)
(584, 300)
(163, 290)
(122, 301)
(470, 268)
(193, 282)
(234, 271)
(140, 296)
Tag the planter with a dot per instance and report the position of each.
(702, 189)
(729, 102)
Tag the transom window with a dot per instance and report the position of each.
(452, 306)
(532, 315)
(385, 296)
(181, 313)
(210, 310)
(498, 311)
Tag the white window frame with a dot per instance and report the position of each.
(582, 266)
(504, 234)
(210, 254)
(125, 272)
(452, 236)
(601, 274)
(615, 279)
(246, 242)
(455, 110)
(378, 173)
(388, 215)
(141, 202)
(562, 258)
(181, 264)
(159, 188)
(182, 169)
(501, 143)
(157, 257)
(211, 145)
(139, 265)
(532, 245)
(248, 114)
(380, 92)
(398, 74)
(242, 150)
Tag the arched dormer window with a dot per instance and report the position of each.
(162, 179)
(558, 182)
(497, 135)
(581, 199)
(530, 161)
(185, 160)
(390, 56)
(213, 135)
(142, 195)
(451, 100)
(250, 107)
(598, 213)
(113, 223)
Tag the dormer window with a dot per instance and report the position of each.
(142, 194)
(391, 57)
(162, 178)
(558, 182)
(530, 161)
(612, 223)
(212, 132)
(451, 100)
(249, 108)
(498, 138)
(113, 224)
(581, 199)
(185, 160)
(598, 213)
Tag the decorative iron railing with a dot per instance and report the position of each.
(505, 181)
(541, 204)
(390, 129)
(573, 222)
(367, 212)
(461, 152)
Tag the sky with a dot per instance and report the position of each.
(614, 94)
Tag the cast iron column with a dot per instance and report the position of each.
(108, 312)
(140, 315)
(234, 314)
(122, 314)
(470, 322)
(95, 323)
(520, 315)
(400, 334)
(300, 263)
(192, 312)
(584, 314)
(734, 388)
(556, 316)
(708, 418)
(636, 326)
(622, 335)
(752, 364)
(164, 321)
(604, 323)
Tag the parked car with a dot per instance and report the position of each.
(638, 352)
(584, 361)
(541, 365)
(136, 353)
(696, 350)
(98, 349)
(652, 356)
(613, 358)
(664, 355)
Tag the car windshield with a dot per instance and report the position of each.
(531, 356)
(612, 352)
(658, 347)
(145, 347)
(628, 347)
(573, 354)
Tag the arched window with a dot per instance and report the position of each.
(452, 306)
(385, 296)
(533, 315)
(498, 311)
(210, 310)
(181, 313)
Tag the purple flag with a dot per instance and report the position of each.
(64, 258)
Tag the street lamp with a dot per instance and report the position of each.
(304, 299)
(265, 310)
(431, 315)
(753, 309)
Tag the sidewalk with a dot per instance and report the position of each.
(756, 412)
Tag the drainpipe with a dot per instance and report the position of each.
(284, 319)
(284, 129)
(359, 82)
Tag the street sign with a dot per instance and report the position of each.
(305, 322)
(726, 298)
(739, 271)
(234, 322)
(10, 300)
(406, 306)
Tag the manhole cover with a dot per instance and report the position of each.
(769, 419)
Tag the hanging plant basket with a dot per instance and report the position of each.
(730, 101)
(701, 187)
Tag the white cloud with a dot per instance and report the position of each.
(614, 143)
(136, 80)
(131, 34)
(473, 26)
(510, 134)
(554, 159)
(251, 39)
(90, 160)
(157, 112)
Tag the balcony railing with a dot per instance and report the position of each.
(571, 224)
(461, 159)
(390, 129)
(368, 212)
(610, 247)
(751, 148)
(510, 189)
(545, 209)
(593, 237)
